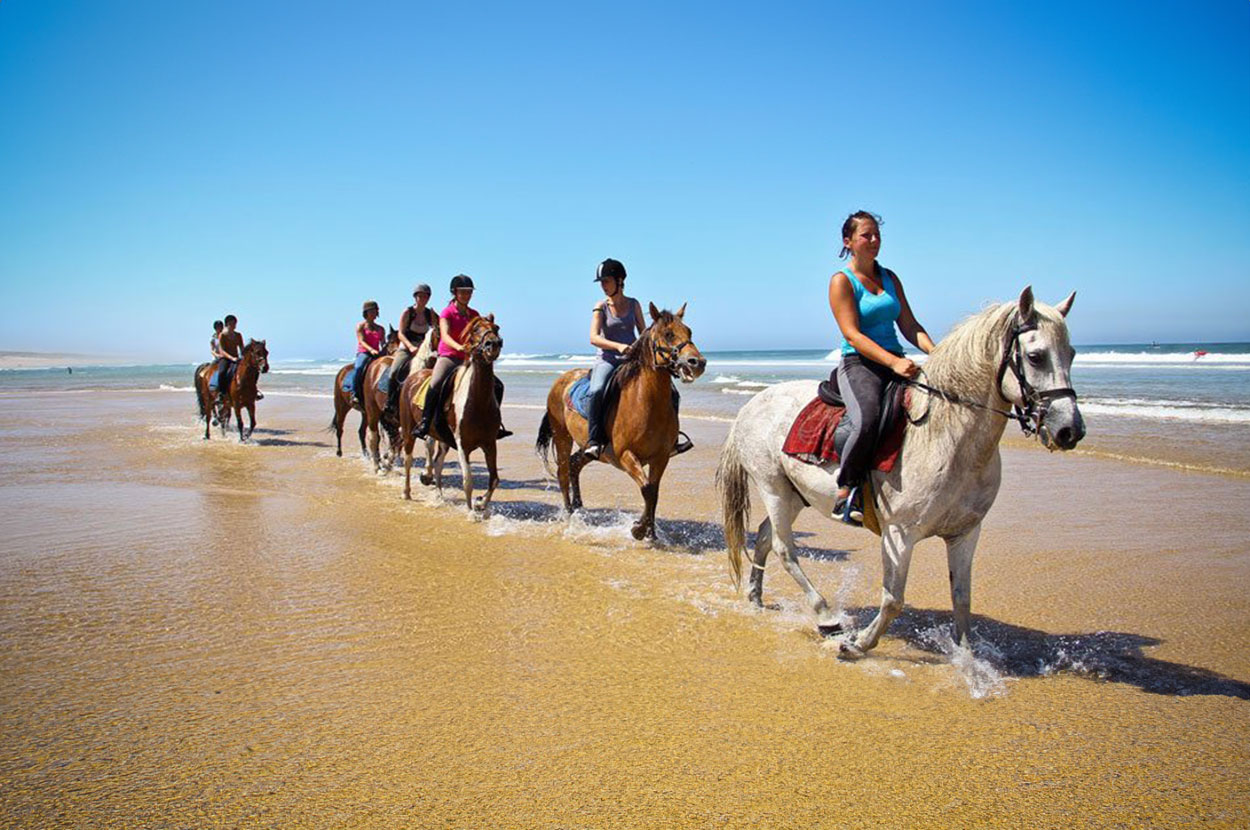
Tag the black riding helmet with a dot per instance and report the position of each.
(610, 269)
(461, 281)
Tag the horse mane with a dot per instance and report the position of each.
(426, 348)
(636, 358)
(966, 361)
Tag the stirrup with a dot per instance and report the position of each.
(504, 432)
(684, 444)
(847, 511)
(260, 396)
(592, 451)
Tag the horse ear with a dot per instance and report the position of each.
(1026, 304)
(491, 317)
(655, 313)
(1066, 306)
(681, 311)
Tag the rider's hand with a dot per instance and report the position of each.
(906, 367)
(623, 348)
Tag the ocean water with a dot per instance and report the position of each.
(1144, 392)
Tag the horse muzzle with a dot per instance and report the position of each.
(690, 367)
(1062, 427)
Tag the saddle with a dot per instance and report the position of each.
(577, 394)
(819, 433)
(441, 425)
(226, 375)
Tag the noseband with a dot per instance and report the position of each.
(1036, 401)
(666, 357)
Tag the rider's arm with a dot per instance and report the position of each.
(403, 330)
(596, 332)
(238, 355)
(907, 322)
(640, 320)
(842, 302)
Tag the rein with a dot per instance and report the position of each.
(670, 354)
(1036, 402)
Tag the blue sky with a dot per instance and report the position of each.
(164, 163)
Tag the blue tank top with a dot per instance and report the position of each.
(877, 312)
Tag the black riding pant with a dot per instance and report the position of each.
(860, 381)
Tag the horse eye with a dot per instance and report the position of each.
(1037, 358)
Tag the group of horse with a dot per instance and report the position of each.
(1016, 354)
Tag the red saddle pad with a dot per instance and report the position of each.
(811, 436)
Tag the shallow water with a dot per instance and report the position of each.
(213, 634)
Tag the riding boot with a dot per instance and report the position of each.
(392, 395)
(596, 439)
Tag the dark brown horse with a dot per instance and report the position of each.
(345, 402)
(240, 394)
(642, 425)
(471, 411)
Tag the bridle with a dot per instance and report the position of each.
(479, 347)
(1036, 402)
(666, 357)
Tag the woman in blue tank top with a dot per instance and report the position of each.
(868, 302)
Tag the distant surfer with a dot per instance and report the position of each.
(1200, 353)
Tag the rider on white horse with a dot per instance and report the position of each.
(868, 302)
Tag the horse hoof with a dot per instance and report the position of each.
(638, 532)
(849, 651)
(756, 599)
(427, 480)
(339, 453)
(831, 630)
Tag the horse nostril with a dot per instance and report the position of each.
(1064, 438)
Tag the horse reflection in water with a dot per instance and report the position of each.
(949, 469)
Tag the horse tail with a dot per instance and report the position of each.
(735, 502)
(543, 445)
(199, 392)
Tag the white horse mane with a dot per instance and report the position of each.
(426, 349)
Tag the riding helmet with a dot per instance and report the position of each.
(610, 268)
(370, 305)
(461, 281)
(421, 288)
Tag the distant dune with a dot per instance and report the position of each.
(54, 360)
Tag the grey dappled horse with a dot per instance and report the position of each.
(948, 472)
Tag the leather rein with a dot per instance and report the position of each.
(1036, 401)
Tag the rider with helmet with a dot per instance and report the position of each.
(369, 339)
(868, 302)
(615, 323)
(453, 321)
(414, 324)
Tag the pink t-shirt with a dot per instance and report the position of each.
(456, 324)
(373, 337)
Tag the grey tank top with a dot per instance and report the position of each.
(618, 330)
(418, 324)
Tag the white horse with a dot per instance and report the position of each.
(949, 469)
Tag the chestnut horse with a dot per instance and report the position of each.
(239, 395)
(471, 411)
(344, 402)
(642, 425)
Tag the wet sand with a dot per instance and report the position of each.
(204, 634)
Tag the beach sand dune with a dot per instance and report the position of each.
(214, 634)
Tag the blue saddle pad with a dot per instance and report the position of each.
(579, 395)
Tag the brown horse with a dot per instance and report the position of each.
(471, 411)
(642, 425)
(239, 395)
(345, 402)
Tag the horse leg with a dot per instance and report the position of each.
(375, 440)
(437, 458)
(564, 449)
(340, 418)
(648, 484)
(782, 508)
(577, 461)
(209, 403)
(489, 451)
(238, 416)
(763, 546)
(251, 419)
(959, 550)
(361, 432)
(466, 477)
(896, 549)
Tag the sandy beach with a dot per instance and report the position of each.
(205, 634)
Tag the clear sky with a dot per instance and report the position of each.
(163, 163)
